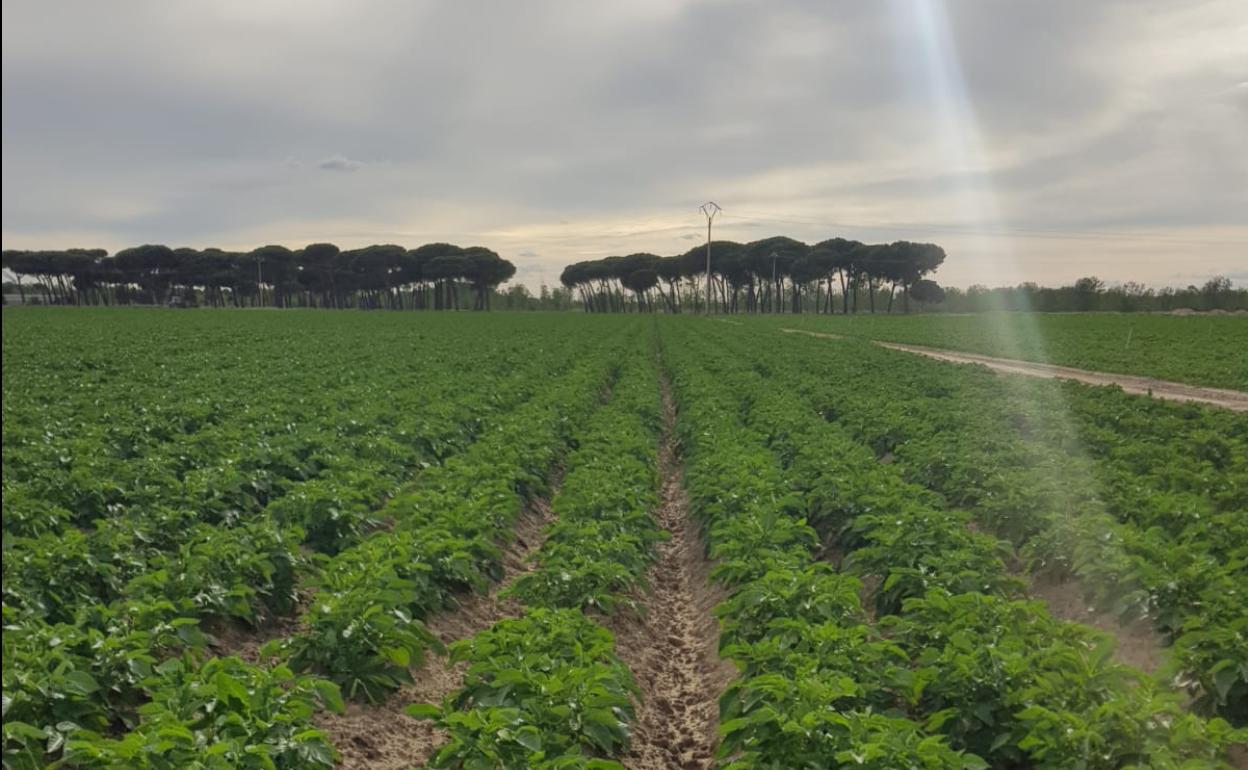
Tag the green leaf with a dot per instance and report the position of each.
(972, 762)
(230, 689)
(399, 656)
(330, 695)
(423, 711)
(1224, 678)
(23, 730)
(81, 683)
(529, 737)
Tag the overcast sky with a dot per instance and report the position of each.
(1034, 140)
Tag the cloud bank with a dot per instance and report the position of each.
(1037, 141)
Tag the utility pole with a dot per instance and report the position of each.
(710, 209)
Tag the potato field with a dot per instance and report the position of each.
(308, 539)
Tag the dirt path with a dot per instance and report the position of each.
(1172, 391)
(1139, 643)
(383, 737)
(673, 650)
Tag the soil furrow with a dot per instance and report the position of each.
(673, 649)
(383, 737)
(1139, 643)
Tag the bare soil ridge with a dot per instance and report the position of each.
(383, 737)
(1171, 391)
(674, 649)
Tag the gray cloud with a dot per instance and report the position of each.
(553, 132)
(338, 163)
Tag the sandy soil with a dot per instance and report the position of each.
(1139, 643)
(383, 736)
(673, 649)
(1172, 391)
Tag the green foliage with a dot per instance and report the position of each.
(1139, 500)
(222, 714)
(1202, 350)
(360, 639)
(813, 595)
(364, 629)
(546, 690)
(540, 690)
(243, 572)
(970, 667)
(160, 473)
(64, 677)
(803, 732)
(866, 514)
(596, 553)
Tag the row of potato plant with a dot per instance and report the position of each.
(1142, 501)
(84, 687)
(364, 628)
(127, 546)
(184, 419)
(241, 572)
(997, 676)
(819, 686)
(546, 689)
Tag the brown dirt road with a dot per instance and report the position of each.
(1171, 391)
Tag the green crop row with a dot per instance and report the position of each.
(206, 571)
(953, 660)
(546, 690)
(93, 618)
(819, 686)
(364, 627)
(1142, 501)
(125, 544)
(205, 430)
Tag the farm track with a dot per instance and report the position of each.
(383, 737)
(1170, 391)
(673, 649)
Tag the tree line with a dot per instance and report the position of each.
(773, 275)
(1092, 294)
(438, 276)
